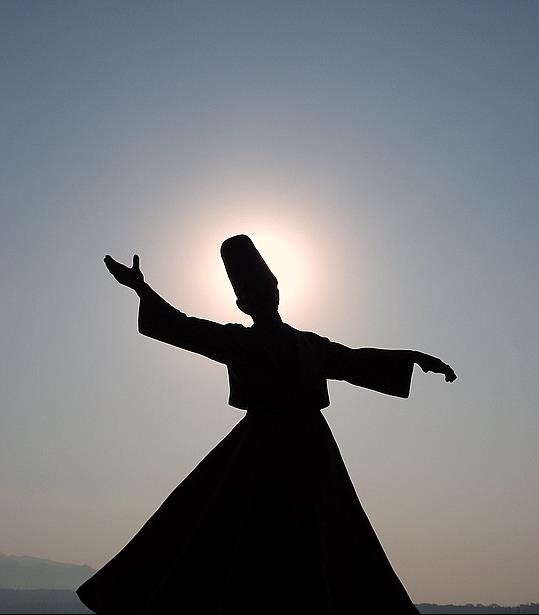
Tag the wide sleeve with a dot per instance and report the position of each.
(161, 321)
(385, 371)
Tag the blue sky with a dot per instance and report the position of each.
(389, 150)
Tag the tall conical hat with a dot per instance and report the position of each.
(244, 265)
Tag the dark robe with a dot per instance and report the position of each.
(269, 521)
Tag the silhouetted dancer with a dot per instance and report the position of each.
(268, 521)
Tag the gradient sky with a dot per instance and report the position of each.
(383, 156)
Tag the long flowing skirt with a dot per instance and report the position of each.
(267, 522)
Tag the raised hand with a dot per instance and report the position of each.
(431, 364)
(128, 276)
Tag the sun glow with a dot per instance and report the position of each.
(281, 229)
(285, 252)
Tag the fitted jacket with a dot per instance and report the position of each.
(275, 366)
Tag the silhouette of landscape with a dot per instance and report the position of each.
(41, 579)
(40, 601)
(64, 601)
(36, 585)
(23, 572)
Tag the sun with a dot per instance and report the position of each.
(285, 254)
(287, 235)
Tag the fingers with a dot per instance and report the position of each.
(110, 262)
(439, 367)
(115, 268)
(450, 375)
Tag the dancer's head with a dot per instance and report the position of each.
(253, 282)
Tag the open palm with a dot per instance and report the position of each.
(128, 276)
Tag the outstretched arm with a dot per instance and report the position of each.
(161, 321)
(385, 371)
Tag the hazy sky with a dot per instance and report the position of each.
(383, 156)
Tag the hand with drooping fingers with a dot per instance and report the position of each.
(131, 277)
(432, 364)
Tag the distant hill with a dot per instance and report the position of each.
(22, 572)
(63, 601)
(35, 585)
(40, 601)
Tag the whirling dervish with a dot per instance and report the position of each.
(269, 521)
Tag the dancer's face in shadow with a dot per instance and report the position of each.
(260, 300)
